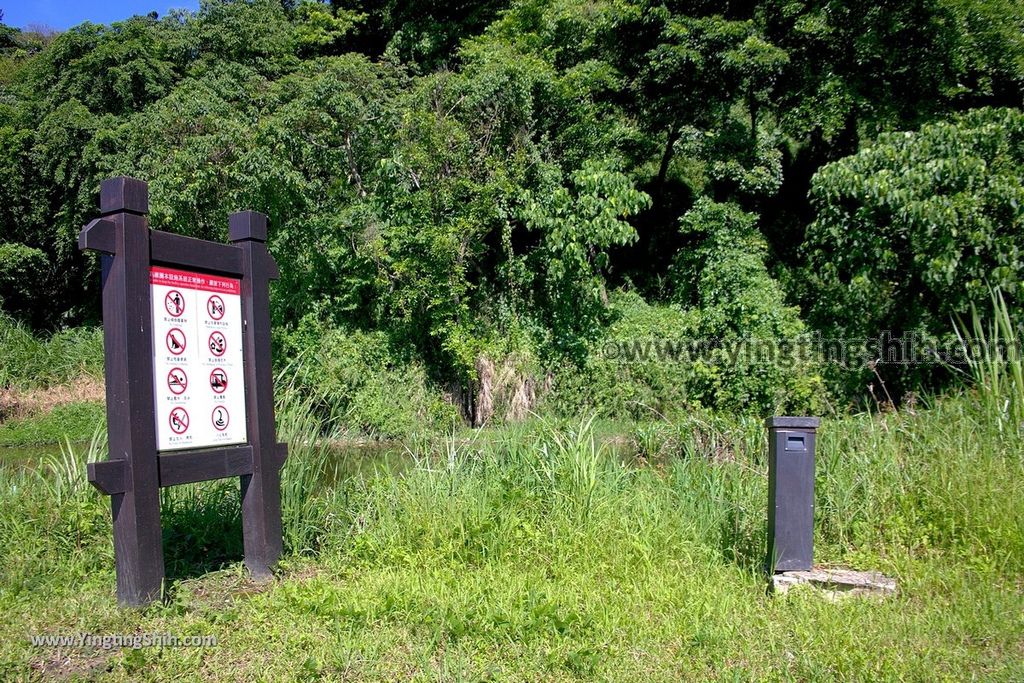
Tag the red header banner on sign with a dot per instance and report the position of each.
(201, 281)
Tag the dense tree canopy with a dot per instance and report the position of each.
(477, 179)
(916, 226)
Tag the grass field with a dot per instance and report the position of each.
(540, 553)
(74, 421)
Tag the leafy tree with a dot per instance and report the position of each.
(723, 279)
(320, 28)
(916, 226)
(443, 203)
(253, 33)
(418, 32)
(578, 225)
(859, 68)
(990, 50)
(115, 69)
(20, 269)
(463, 182)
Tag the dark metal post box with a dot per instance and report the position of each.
(791, 493)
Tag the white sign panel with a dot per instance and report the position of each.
(197, 348)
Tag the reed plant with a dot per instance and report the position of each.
(994, 359)
(308, 469)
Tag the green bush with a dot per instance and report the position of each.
(727, 342)
(654, 361)
(21, 267)
(359, 382)
(622, 375)
(753, 366)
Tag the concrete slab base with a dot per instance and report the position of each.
(835, 584)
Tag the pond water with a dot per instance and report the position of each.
(367, 459)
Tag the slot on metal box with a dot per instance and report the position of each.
(795, 442)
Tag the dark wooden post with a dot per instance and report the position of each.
(261, 490)
(128, 348)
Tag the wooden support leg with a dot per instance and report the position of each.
(261, 491)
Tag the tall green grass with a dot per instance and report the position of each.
(64, 475)
(948, 477)
(306, 472)
(991, 346)
(27, 360)
(543, 553)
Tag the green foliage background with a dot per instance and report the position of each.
(451, 185)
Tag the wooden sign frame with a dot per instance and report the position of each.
(135, 471)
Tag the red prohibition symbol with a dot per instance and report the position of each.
(176, 341)
(178, 420)
(218, 344)
(174, 302)
(177, 381)
(215, 307)
(218, 381)
(220, 418)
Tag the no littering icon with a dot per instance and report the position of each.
(174, 302)
(218, 344)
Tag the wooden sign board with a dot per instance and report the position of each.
(189, 382)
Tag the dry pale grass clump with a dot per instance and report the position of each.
(19, 403)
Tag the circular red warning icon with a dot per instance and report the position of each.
(220, 418)
(215, 307)
(176, 341)
(218, 344)
(177, 381)
(178, 420)
(219, 381)
(174, 302)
